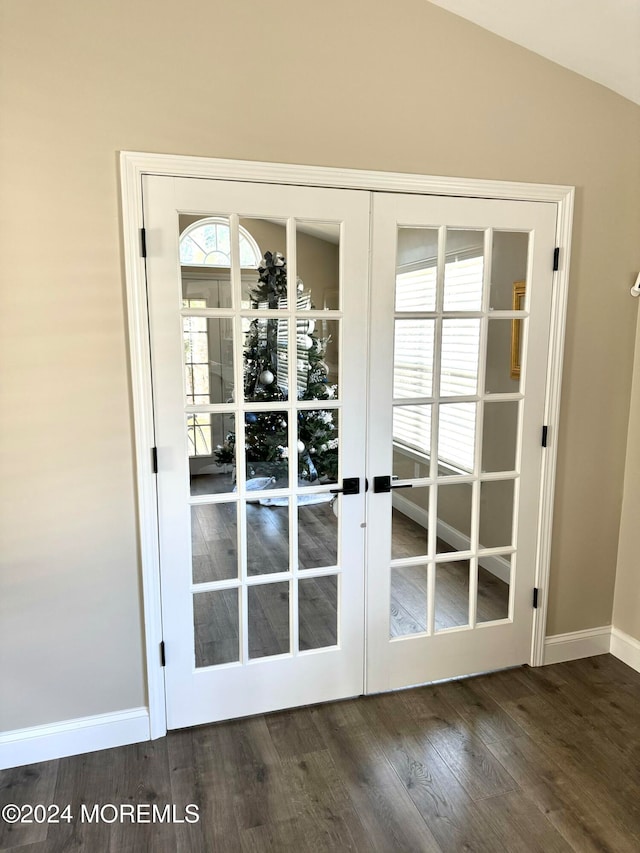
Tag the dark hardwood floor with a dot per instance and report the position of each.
(521, 760)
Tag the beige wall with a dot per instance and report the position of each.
(343, 83)
(626, 608)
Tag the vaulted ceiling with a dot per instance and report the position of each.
(599, 39)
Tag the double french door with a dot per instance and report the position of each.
(348, 394)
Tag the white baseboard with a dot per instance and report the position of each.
(72, 737)
(626, 648)
(413, 511)
(497, 566)
(577, 644)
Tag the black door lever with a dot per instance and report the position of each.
(383, 484)
(350, 486)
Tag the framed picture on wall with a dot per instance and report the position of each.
(519, 289)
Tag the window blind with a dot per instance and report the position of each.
(303, 327)
(413, 358)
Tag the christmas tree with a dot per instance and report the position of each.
(266, 378)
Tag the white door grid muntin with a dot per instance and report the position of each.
(133, 166)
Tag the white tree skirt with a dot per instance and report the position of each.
(303, 500)
(256, 484)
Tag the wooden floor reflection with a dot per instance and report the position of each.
(214, 536)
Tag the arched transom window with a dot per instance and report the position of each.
(207, 242)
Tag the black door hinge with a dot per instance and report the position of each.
(535, 597)
(545, 433)
(143, 242)
(163, 660)
(154, 459)
(556, 259)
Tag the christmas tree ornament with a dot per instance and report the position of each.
(301, 446)
(305, 342)
(266, 377)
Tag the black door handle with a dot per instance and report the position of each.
(350, 486)
(383, 484)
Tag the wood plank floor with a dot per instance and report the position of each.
(521, 760)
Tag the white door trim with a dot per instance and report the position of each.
(133, 165)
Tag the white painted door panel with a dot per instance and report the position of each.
(456, 405)
(223, 561)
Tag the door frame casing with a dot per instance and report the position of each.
(133, 165)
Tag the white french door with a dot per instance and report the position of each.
(258, 365)
(460, 316)
(278, 394)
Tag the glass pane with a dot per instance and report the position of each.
(318, 446)
(265, 359)
(517, 339)
(265, 435)
(460, 351)
(464, 270)
(411, 441)
(267, 287)
(499, 436)
(200, 439)
(317, 532)
(496, 513)
(268, 619)
(191, 252)
(267, 538)
(452, 595)
(215, 627)
(208, 356)
(214, 542)
(408, 606)
(318, 359)
(416, 269)
(413, 358)
(456, 438)
(409, 524)
(206, 290)
(205, 241)
(318, 263)
(508, 265)
(212, 453)
(494, 578)
(454, 517)
(318, 612)
(500, 379)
